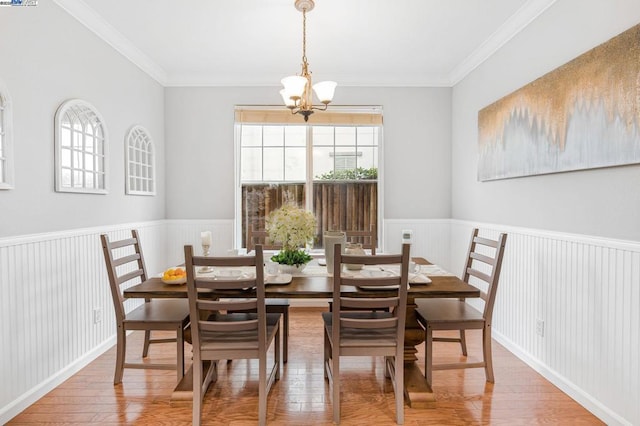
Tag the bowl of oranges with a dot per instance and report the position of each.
(174, 276)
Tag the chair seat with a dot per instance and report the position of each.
(359, 337)
(237, 340)
(160, 311)
(440, 312)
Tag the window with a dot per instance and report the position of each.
(329, 167)
(6, 140)
(81, 150)
(140, 159)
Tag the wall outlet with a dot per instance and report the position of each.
(540, 327)
(97, 315)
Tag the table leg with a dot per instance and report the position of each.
(417, 392)
(184, 389)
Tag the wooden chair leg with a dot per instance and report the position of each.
(197, 391)
(463, 342)
(398, 367)
(486, 349)
(428, 356)
(327, 349)
(335, 375)
(285, 335)
(180, 352)
(121, 350)
(277, 355)
(262, 390)
(147, 341)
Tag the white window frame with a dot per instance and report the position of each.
(6, 138)
(139, 140)
(92, 125)
(237, 235)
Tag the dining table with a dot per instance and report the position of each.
(315, 283)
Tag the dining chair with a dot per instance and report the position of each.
(278, 306)
(125, 265)
(368, 333)
(482, 269)
(255, 236)
(368, 239)
(217, 334)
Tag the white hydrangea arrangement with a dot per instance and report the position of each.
(293, 228)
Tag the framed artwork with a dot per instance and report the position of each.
(582, 115)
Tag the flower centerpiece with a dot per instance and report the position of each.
(293, 228)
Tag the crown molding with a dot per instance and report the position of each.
(511, 27)
(94, 22)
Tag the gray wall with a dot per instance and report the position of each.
(47, 57)
(200, 144)
(603, 202)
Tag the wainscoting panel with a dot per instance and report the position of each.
(51, 284)
(586, 293)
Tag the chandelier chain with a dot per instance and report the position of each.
(304, 37)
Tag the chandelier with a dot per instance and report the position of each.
(297, 94)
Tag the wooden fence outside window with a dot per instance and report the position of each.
(337, 205)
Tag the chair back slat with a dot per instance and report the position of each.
(369, 303)
(481, 275)
(129, 276)
(372, 282)
(220, 284)
(482, 258)
(227, 304)
(126, 259)
(229, 326)
(370, 324)
(122, 267)
(486, 242)
(123, 243)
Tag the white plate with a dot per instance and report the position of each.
(228, 273)
(180, 280)
(376, 273)
(278, 279)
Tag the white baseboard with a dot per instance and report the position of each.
(591, 404)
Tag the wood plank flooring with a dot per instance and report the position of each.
(520, 396)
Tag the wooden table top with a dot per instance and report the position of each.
(314, 287)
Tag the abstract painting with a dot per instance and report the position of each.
(582, 115)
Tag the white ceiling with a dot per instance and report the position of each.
(354, 42)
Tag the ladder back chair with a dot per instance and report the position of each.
(255, 236)
(368, 333)
(217, 334)
(278, 306)
(456, 314)
(368, 239)
(125, 264)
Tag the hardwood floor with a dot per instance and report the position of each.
(520, 396)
